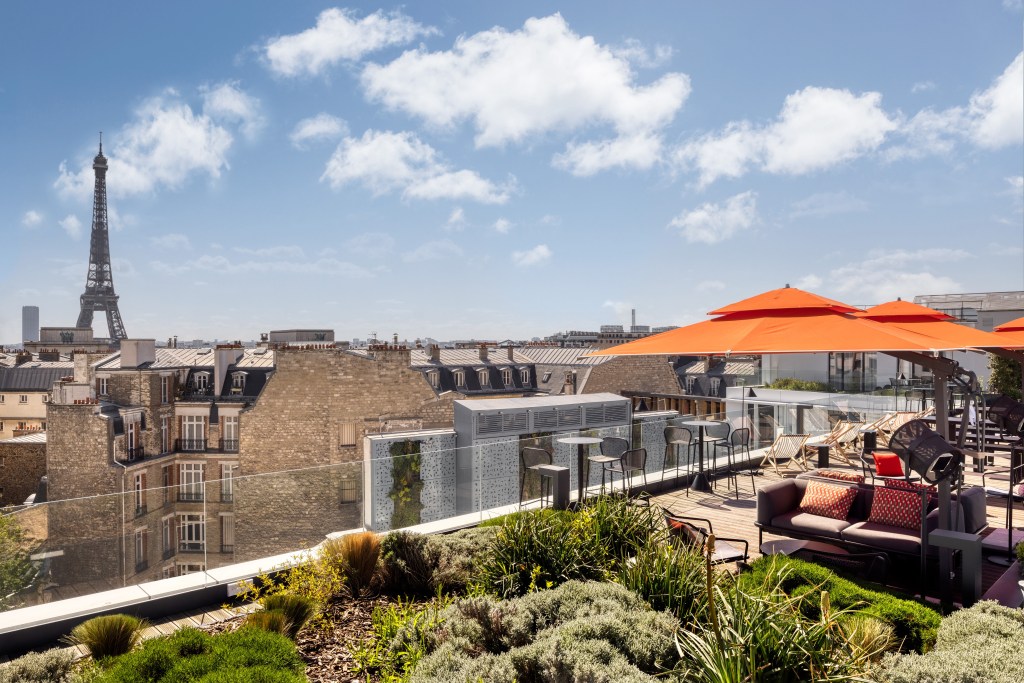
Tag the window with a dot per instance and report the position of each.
(524, 376)
(484, 377)
(434, 378)
(237, 382)
(716, 382)
(167, 572)
(46, 398)
(190, 476)
(227, 481)
(23, 398)
(190, 568)
(140, 493)
(191, 533)
(347, 434)
(227, 533)
(547, 376)
(165, 434)
(201, 381)
(141, 561)
(690, 381)
(166, 480)
(102, 386)
(3, 398)
(506, 377)
(165, 389)
(193, 433)
(22, 425)
(167, 544)
(229, 432)
(132, 440)
(460, 378)
(349, 491)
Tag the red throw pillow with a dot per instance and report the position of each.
(896, 507)
(827, 500)
(888, 464)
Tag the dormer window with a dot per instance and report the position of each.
(460, 378)
(689, 384)
(524, 376)
(506, 376)
(237, 382)
(485, 377)
(201, 380)
(716, 382)
(434, 378)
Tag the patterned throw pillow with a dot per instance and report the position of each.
(896, 507)
(839, 475)
(887, 464)
(910, 485)
(827, 500)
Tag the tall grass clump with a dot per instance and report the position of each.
(422, 565)
(108, 636)
(296, 609)
(670, 577)
(356, 556)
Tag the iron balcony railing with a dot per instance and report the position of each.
(137, 453)
(227, 497)
(140, 510)
(229, 445)
(169, 552)
(190, 496)
(195, 445)
(141, 566)
(191, 546)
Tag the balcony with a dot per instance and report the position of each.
(136, 453)
(169, 552)
(229, 445)
(190, 496)
(191, 445)
(191, 546)
(227, 497)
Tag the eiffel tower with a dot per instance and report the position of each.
(99, 285)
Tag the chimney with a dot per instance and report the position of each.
(483, 353)
(224, 356)
(511, 354)
(137, 352)
(634, 319)
(396, 339)
(175, 341)
(435, 353)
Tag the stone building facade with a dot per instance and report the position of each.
(22, 465)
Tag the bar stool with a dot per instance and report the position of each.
(612, 450)
(676, 437)
(738, 441)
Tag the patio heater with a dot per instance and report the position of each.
(937, 462)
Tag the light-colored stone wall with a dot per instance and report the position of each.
(647, 374)
(21, 467)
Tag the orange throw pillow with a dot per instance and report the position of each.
(828, 500)
(888, 465)
(895, 507)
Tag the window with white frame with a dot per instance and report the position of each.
(506, 376)
(102, 386)
(23, 398)
(716, 382)
(141, 561)
(131, 439)
(191, 533)
(434, 377)
(140, 493)
(229, 433)
(237, 382)
(190, 568)
(227, 481)
(201, 380)
(484, 377)
(165, 434)
(690, 381)
(165, 389)
(460, 378)
(190, 481)
(193, 433)
(167, 544)
(227, 533)
(524, 376)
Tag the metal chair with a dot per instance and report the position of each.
(682, 529)
(676, 437)
(530, 459)
(612, 450)
(633, 460)
(738, 441)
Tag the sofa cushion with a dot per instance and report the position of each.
(887, 464)
(839, 475)
(827, 500)
(895, 507)
(811, 525)
(884, 537)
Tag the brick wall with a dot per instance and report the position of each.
(646, 374)
(21, 466)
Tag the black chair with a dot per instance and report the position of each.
(633, 460)
(676, 439)
(682, 529)
(714, 435)
(738, 442)
(531, 458)
(612, 450)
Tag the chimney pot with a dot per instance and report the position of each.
(435, 353)
(483, 352)
(511, 354)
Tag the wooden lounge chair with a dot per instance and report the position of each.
(789, 447)
(886, 430)
(845, 440)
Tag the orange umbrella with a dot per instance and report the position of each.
(1013, 331)
(912, 317)
(786, 320)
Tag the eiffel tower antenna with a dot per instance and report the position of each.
(99, 284)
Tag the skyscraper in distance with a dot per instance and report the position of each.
(30, 323)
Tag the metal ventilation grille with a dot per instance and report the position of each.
(514, 422)
(569, 417)
(488, 424)
(618, 412)
(545, 419)
(593, 414)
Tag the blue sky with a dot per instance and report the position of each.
(492, 170)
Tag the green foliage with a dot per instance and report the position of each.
(248, 654)
(356, 556)
(914, 624)
(422, 565)
(406, 484)
(16, 572)
(52, 666)
(273, 621)
(1019, 549)
(982, 643)
(317, 579)
(670, 577)
(764, 635)
(1004, 376)
(576, 632)
(400, 634)
(108, 636)
(793, 384)
(297, 610)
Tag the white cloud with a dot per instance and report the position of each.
(456, 220)
(550, 220)
(996, 113)
(384, 161)
(922, 86)
(339, 36)
(503, 225)
(514, 86)
(171, 241)
(885, 275)
(277, 252)
(432, 251)
(165, 145)
(827, 204)
(810, 282)
(817, 128)
(710, 286)
(323, 126)
(623, 309)
(371, 244)
(711, 223)
(632, 50)
(1013, 5)
(226, 102)
(72, 226)
(31, 219)
(532, 257)
(1016, 184)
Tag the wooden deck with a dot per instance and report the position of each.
(733, 517)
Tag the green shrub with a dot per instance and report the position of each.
(188, 655)
(670, 577)
(400, 637)
(793, 384)
(404, 563)
(982, 643)
(297, 609)
(620, 525)
(422, 565)
(52, 666)
(578, 631)
(273, 621)
(356, 556)
(109, 635)
(317, 579)
(914, 624)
